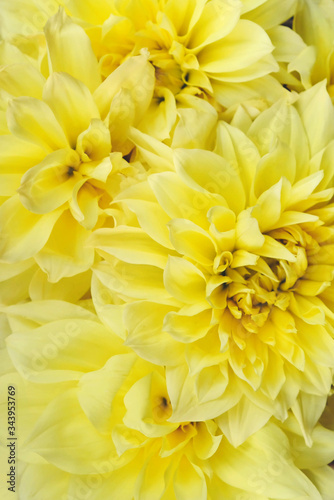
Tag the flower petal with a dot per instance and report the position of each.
(217, 20)
(32, 120)
(78, 444)
(137, 76)
(66, 252)
(71, 103)
(184, 281)
(192, 241)
(130, 244)
(189, 481)
(207, 172)
(55, 352)
(49, 185)
(70, 50)
(22, 79)
(144, 320)
(245, 45)
(23, 233)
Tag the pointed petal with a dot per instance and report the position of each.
(65, 253)
(23, 233)
(70, 50)
(71, 103)
(32, 120)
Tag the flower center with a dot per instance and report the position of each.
(162, 409)
(249, 292)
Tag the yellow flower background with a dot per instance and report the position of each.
(167, 249)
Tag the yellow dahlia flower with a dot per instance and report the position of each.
(61, 160)
(204, 47)
(227, 277)
(102, 428)
(314, 23)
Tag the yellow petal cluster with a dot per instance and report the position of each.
(314, 22)
(102, 426)
(166, 249)
(236, 283)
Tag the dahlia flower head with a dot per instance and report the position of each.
(224, 50)
(226, 278)
(99, 427)
(313, 22)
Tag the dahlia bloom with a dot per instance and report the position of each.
(314, 23)
(215, 48)
(61, 160)
(99, 425)
(226, 278)
(201, 45)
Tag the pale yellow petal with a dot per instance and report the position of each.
(22, 79)
(187, 328)
(189, 481)
(54, 352)
(137, 76)
(68, 289)
(216, 21)
(79, 444)
(184, 281)
(207, 172)
(179, 200)
(130, 244)
(92, 11)
(71, 103)
(70, 50)
(316, 100)
(32, 120)
(66, 252)
(138, 281)
(192, 241)
(143, 321)
(23, 233)
(245, 45)
(49, 185)
(242, 421)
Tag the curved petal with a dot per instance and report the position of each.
(189, 481)
(131, 245)
(68, 289)
(32, 120)
(192, 241)
(244, 46)
(17, 156)
(71, 103)
(70, 50)
(144, 320)
(184, 281)
(137, 281)
(66, 438)
(55, 352)
(208, 172)
(218, 19)
(187, 328)
(38, 480)
(91, 11)
(23, 233)
(66, 252)
(316, 100)
(84, 205)
(179, 200)
(49, 185)
(263, 465)
(137, 76)
(22, 79)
